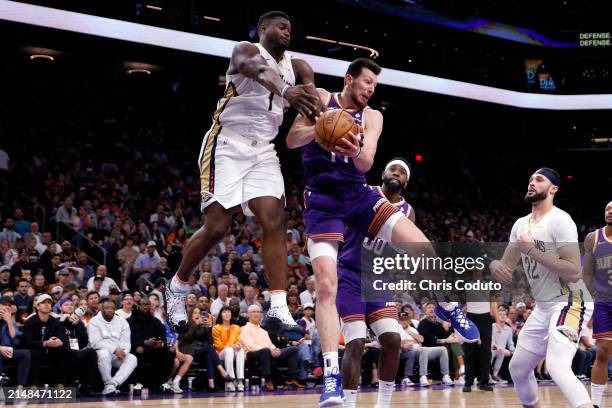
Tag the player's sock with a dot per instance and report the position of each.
(278, 298)
(350, 398)
(385, 391)
(330, 363)
(177, 379)
(448, 306)
(177, 285)
(597, 392)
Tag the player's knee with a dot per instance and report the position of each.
(216, 228)
(516, 370)
(326, 290)
(390, 341)
(274, 221)
(354, 349)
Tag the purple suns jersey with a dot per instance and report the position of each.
(324, 169)
(350, 256)
(602, 266)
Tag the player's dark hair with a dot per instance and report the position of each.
(355, 67)
(265, 17)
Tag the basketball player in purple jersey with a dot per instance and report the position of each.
(358, 308)
(337, 196)
(597, 273)
(239, 168)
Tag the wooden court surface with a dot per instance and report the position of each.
(550, 397)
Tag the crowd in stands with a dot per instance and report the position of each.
(111, 201)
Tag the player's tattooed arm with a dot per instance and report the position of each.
(302, 131)
(587, 269)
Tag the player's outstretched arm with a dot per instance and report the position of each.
(302, 131)
(587, 269)
(247, 60)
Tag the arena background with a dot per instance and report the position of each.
(81, 120)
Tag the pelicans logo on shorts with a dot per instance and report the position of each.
(206, 196)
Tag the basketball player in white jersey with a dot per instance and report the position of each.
(239, 168)
(546, 240)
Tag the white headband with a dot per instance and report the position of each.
(399, 163)
(609, 204)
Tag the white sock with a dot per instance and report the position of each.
(350, 398)
(330, 363)
(177, 380)
(385, 391)
(448, 306)
(597, 392)
(278, 298)
(177, 286)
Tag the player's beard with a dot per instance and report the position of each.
(537, 197)
(392, 185)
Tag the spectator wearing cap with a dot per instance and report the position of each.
(10, 338)
(5, 278)
(83, 358)
(260, 349)
(146, 264)
(110, 336)
(250, 298)
(220, 301)
(113, 294)
(107, 282)
(46, 339)
(149, 345)
(64, 276)
(127, 306)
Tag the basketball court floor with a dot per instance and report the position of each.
(435, 396)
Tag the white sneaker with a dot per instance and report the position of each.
(109, 389)
(460, 381)
(174, 387)
(240, 387)
(167, 386)
(230, 387)
(424, 381)
(279, 321)
(175, 307)
(446, 380)
(406, 382)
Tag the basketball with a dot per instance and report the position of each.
(333, 125)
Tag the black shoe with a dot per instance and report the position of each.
(273, 323)
(538, 376)
(485, 387)
(546, 377)
(467, 388)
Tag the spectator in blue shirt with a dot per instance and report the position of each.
(10, 337)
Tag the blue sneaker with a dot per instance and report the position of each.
(332, 391)
(464, 328)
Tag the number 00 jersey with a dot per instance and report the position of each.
(555, 230)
